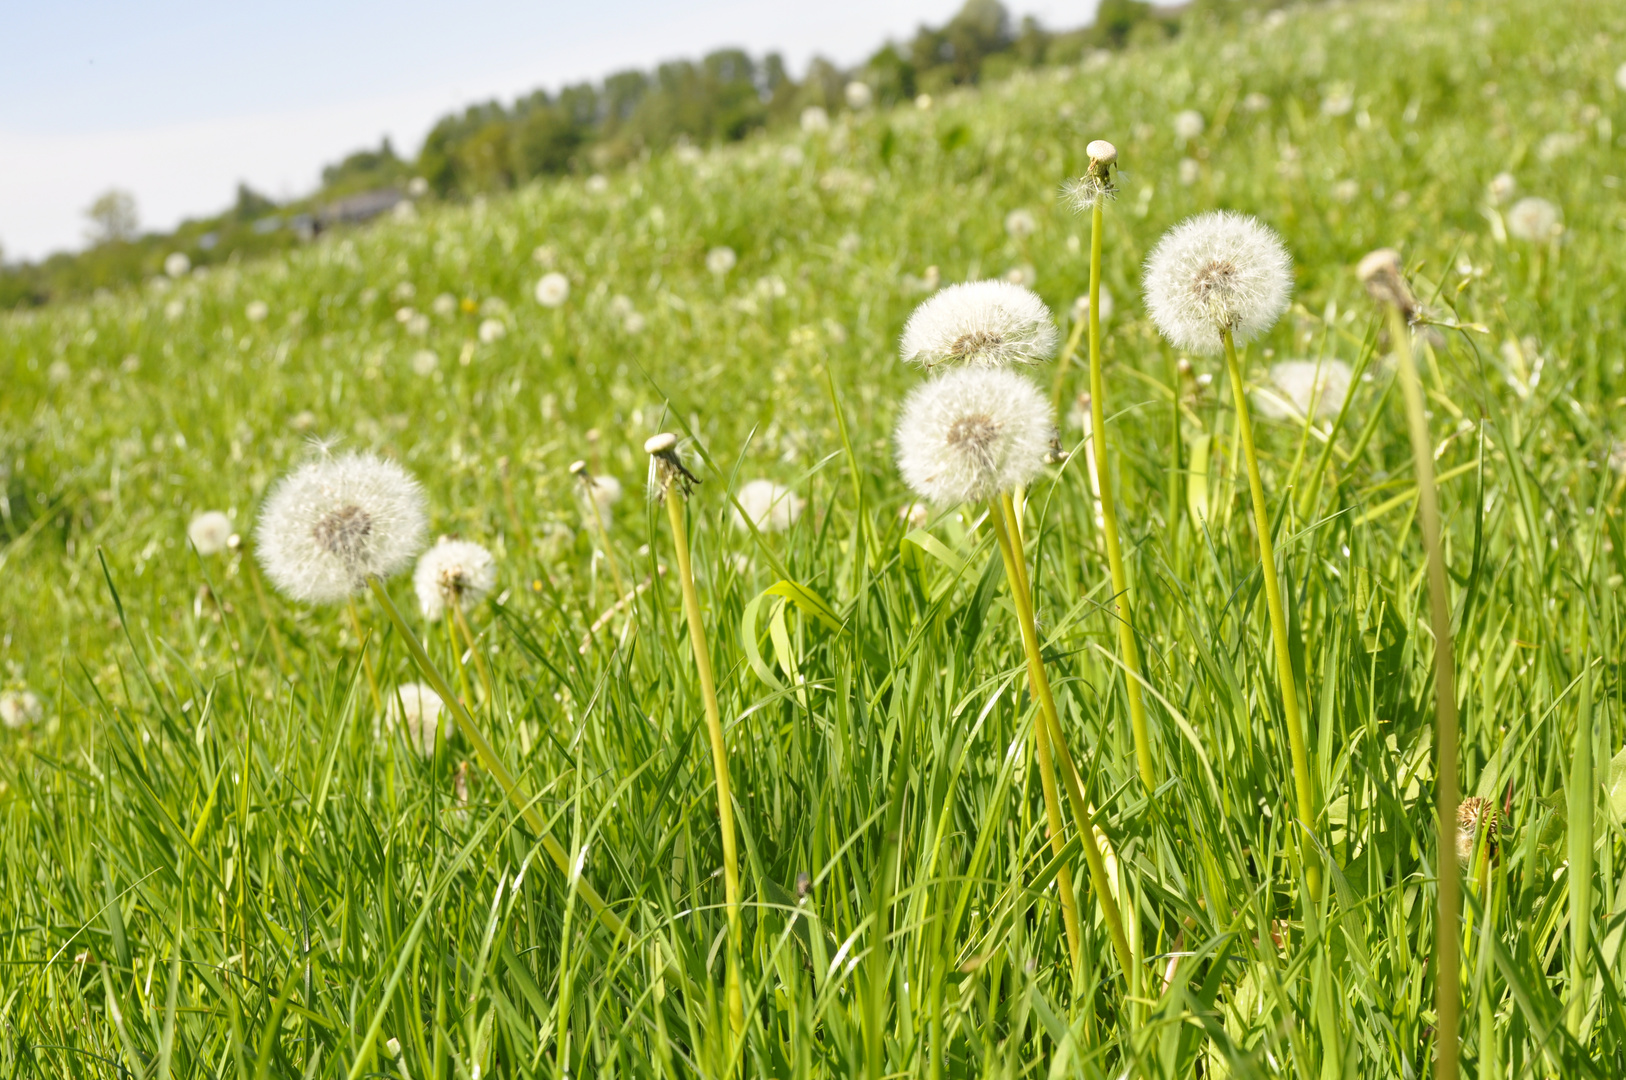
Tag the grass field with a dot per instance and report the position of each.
(212, 862)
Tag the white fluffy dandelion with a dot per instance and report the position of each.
(334, 522)
(859, 96)
(1020, 225)
(971, 434)
(453, 572)
(981, 323)
(257, 310)
(1296, 384)
(176, 264)
(1188, 124)
(20, 709)
(210, 532)
(553, 289)
(1215, 271)
(1501, 188)
(770, 507)
(1533, 220)
(814, 118)
(720, 260)
(420, 710)
(492, 330)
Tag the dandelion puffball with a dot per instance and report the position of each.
(1188, 124)
(859, 96)
(1501, 187)
(20, 709)
(1215, 271)
(1533, 220)
(257, 310)
(553, 289)
(453, 572)
(973, 433)
(814, 118)
(770, 507)
(1020, 224)
(176, 264)
(420, 710)
(210, 532)
(980, 323)
(1294, 384)
(720, 260)
(334, 522)
(492, 330)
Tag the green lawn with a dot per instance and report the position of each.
(213, 863)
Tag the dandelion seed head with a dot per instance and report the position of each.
(492, 330)
(1020, 225)
(417, 708)
(20, 709)
(859, 96)
(336, 521)
(972, 433)
(980, 323)
(1534, 220)
(1188, 124)
(598, 493)
(770, 507)
(257, 311)
(1384, 276)
(1217, 270)
(424, 362)
(210, 532)
(1295, 384)
(1501, 188)
(176, 264)
(720, 260)
(453, 573)
(553, 289)
(814, 118)
(667, 469)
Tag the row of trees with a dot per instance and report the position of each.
(593, 127)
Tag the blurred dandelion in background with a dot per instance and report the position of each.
(453, 573)
(1295, 384)
(20, 709)
(771, 507)
(210, 532)
(1534, 220)
(1188, 125)
(720, 260)
(417, 708)
(553, 290)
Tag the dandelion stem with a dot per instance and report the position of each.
(1016, 574)
(1109, 517)
(1057, 828)
(1447, 976)
(457, 661)
(474, 648)
(1303, 787)
(366, 656)
(604, 539)
(493, 764)
(719, 752)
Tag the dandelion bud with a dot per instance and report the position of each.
(666, 467)
(420, 710)
(1384, 277)
(973, 433)
(1473, 815)
(770, 507)
(453, 573)
(210, 532)
(980, 323)
(333, 523)
(1213, 272)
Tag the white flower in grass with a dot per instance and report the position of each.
(971, 434)
(492, 330)
(176, 264)
(334, 522)
(770, 507)
(814, 118)
(597, 184)
(1501, 188)
(1188, 124)
(598, 493)
(553, 289)
(1256, 102)
(424, 362)
(1620, 76)
(210, 532)
(1534, 220)
(444, 305)
(458, 572)
(420, 710)
(1295, 383)
(20, 709)
(981, 323)
(720, 260)
(859, 96)
(1020, 224)
(1190, 171)
(257, 310)
(1081, 306)
(1214, 271)
(915, 514)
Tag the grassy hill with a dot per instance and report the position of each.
(211, 861)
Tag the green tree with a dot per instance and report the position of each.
(112, 218)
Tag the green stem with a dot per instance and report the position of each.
(719, 753)
(1303, 785)
(366, 657)
(1084, 819)
(493, 764)
(1109, 518)
(474, 650)
(1447, 976)
(457, 662)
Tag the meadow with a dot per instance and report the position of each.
(215, 859)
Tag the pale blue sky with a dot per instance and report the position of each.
(178, 100)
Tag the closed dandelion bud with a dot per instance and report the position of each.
(1214, 272)
(453, 573)
(980, 323)
(334, 522)
(1385, 280)
(972, 434)
(770, 507)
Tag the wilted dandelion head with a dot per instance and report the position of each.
(420, 710)
(1188, 124)
(1474, 815)
(336, 521)
(1096, 183)
(1020, 225)
(1384, 276)
(453, 573)
(971, 434)
(210, 532)
(667, 468)
(1297, 384)
(720, 260)
(553, 289)
(770, 507)
(599, 493)
(981, 323)
(1215, 271)
(1534, 220)
(20, 709)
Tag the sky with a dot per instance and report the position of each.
(176, 101)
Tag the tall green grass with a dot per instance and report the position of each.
(211, 864)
